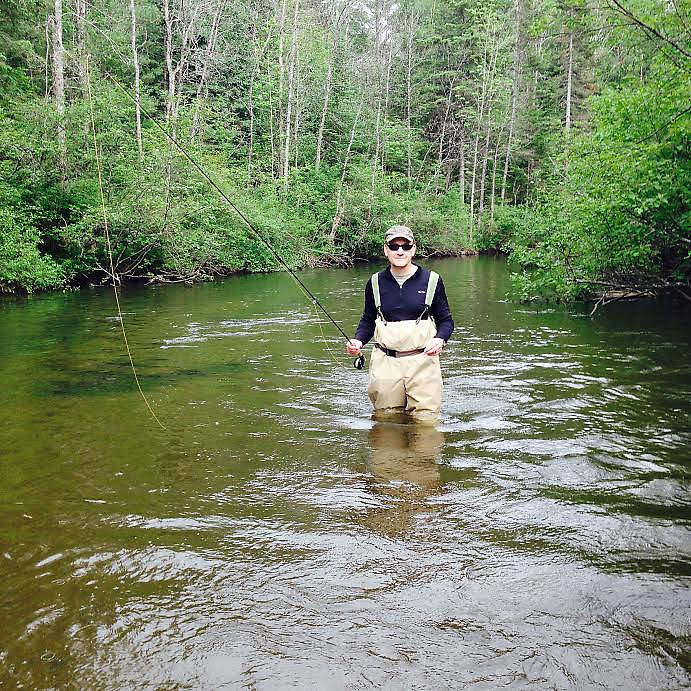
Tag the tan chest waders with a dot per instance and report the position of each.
(401, 376)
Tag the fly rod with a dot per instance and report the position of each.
(359, 362)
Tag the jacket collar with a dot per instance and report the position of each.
(389, 275)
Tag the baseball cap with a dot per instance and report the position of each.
(399, 232)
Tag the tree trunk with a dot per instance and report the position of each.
(137, 86)
(202, 87)
(59, 86)
(442, 137)
(250, 99)
(485, 111)
(409, 70)
(346, 159)
(387, 89)
(169, 72)
(325, 107)
(483, 177)
(281, 84)
(490, 97)
(296, 128)
(569, 79)
(291, 74)
(168, 57)
(377, 88)
(462, 176)
(515, 90)
(176, 25)
(480, 117)
(80, 7)
(509, 142)
(327, 93)
(377, 144)
(271, 118)
(494, 175)
(382, 113)
(536, 75)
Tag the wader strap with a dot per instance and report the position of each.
(429, 295)
(431, 288)
(377, 296)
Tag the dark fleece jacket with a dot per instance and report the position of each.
(399, 303)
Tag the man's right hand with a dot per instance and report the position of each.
(354, 347)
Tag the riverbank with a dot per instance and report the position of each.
(325, 259)
(29, 263)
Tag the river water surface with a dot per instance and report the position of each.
(275, 536)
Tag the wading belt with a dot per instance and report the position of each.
(399, 353)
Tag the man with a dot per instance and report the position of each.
(407, 312)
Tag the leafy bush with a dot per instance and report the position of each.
(22, 266)
(510, 222)
(620, 218)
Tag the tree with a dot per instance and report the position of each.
(59, 82)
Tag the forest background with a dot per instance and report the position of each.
(555, 131)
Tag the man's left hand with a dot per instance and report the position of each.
(434, 346)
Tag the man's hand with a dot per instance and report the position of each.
(434, 346)
(354, 347)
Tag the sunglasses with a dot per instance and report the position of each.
(394, 246)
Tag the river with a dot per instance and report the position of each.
(274, 536)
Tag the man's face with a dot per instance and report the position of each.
(399, 257)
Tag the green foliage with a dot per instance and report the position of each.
(18, 32)
(620, 218)
(22, 265)
(610, 205)
(509, 223)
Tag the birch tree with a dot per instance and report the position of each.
(137, 81)
(338, 215)
(180, 23)
(519, 11)
(207, 60)
(59, 84)
(569, 80)
(281, 84)
(411, 26)
(335, 30)
(291, 94)
(80, 9)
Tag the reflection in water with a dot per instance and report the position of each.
(403, 463)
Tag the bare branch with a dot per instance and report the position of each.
(650, 30)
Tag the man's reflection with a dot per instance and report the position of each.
(403, 464)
